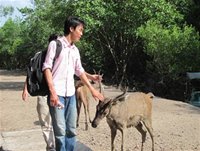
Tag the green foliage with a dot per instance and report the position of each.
(112, 27)
(172, 48)
(128, 39)
(8, 47)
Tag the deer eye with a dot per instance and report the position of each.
(104, 113)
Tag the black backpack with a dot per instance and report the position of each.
(36, 82)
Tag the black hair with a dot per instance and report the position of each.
(53, 37)
(72, 21)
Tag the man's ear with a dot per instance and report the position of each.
(72, 29)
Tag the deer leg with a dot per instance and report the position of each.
(78, 113)
(78, 106)
(88, 110)
(123, 131)
(143, 133)
(149, 128)
(84, 100)
(113, 134)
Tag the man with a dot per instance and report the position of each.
(44, 118)
(43, 113)
(60, 80)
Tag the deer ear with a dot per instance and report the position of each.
(105, 103)
(99, 72)
(121, 98)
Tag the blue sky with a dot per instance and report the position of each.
(16, 4)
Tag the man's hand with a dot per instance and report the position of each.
(97, 95)
(96, 77)
(25, 92)
(25, 95)
(54, 101)
(84, 78)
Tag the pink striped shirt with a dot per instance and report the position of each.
(66, 65)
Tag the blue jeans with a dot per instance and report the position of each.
(64, 123)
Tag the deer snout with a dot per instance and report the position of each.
(94, 125)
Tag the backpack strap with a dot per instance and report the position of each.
(58, 49)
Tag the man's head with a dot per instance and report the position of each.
(53, 37)
(74, 27)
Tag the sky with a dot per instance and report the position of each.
(16, 4)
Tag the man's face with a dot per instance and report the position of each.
(77, 33)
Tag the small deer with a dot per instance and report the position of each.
(83, 95)
(124, 111)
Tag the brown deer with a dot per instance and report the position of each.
(125, 111)
(83, 96)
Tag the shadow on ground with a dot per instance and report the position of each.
(13, 86)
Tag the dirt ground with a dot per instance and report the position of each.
(176, 124)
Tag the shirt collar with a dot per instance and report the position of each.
(67, 43)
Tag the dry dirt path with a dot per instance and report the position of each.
(176, 124)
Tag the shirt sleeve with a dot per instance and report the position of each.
(48, 63)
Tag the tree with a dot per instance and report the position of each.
(172, 48)
(8, 45)
(6, 11)
(112, 31)
(129, 40)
